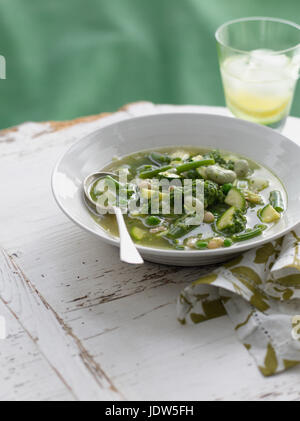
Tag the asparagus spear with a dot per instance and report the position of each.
(195, 164)
(179, 169)
(152, 173)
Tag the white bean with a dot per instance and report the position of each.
(241, 168)
(220, 175)
(215, 243)
(208, 217)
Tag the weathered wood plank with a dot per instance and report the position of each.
(55, 341)
(22, 367)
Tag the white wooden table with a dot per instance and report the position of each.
(80, 324)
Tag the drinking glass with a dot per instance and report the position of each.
(259, 61)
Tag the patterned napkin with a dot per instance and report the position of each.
(260, 292)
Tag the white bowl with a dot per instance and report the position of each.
(263, 145)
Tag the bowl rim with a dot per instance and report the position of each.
(237, 248)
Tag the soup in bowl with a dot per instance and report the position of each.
(238, 199)
(256, 200)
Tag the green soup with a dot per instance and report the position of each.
(240, 198)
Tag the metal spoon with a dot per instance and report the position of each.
(128, 251)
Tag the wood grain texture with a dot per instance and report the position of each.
(81, 375)
(83, 325)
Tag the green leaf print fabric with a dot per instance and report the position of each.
(260, 292)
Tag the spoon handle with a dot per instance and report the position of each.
(128, 251)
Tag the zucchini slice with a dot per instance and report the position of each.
(137, 233)
(236, 198)
(226, 219)
(268, 214)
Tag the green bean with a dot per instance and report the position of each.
(276, 200)
(159, 158)
(247, 235)
(194, 164)
(152, 173)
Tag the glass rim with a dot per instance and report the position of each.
(256, 18)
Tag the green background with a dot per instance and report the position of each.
(68, 58)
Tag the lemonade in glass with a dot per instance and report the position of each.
(259, 63)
